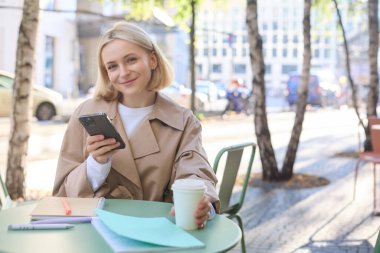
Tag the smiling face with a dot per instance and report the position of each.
(129, 69)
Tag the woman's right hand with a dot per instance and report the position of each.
(101, 149)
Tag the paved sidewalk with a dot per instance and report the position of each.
(319, 220)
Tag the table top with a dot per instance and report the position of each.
(220, 234)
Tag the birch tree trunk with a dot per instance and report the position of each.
(348, 66)
(373, 93)
(291, 153)
(22, 100)
(267, 155)
(373, 25)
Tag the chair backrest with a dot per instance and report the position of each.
(375, 138)
(373, 121)
(233, 156)
(3, 192)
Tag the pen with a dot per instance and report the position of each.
(101, 203)
(63, 220)
(66, 206)
(39, 226)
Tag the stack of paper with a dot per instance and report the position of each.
(135, 234)
(52, 207)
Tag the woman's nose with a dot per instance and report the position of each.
(124, 70)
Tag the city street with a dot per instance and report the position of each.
(336, 129)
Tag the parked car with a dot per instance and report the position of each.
(207, 87)
(222, 89)
(314, 94)
(182, 96)
(46, 102)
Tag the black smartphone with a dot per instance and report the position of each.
(99, 123)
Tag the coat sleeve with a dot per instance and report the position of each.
(191, 160)
(71, 175)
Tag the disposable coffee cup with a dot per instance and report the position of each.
(186, 195)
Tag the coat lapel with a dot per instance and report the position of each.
(123, 161)
(143, 142)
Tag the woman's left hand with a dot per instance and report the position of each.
(201, 214)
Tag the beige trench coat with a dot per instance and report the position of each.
(166, 146)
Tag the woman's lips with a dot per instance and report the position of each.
(129, 82)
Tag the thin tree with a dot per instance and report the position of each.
(267, 155)
(373, 94)
(21, 101)
(290, 157)
(348, 65)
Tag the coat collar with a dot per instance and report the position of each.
(165, 109)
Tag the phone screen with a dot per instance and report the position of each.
(99, 123)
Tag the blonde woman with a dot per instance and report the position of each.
(163, 139)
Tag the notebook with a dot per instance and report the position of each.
(135, 234)
(52, 207)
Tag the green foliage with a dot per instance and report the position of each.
(141, 9)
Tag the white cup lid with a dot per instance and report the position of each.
(188, 184)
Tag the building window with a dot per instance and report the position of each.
(244, 52)
(214, 52)
(285, 39)
(295, 39)
(217, 68)
(327, 53)
(268, 69)
(240, 68)
(274, 52)
(295, 52)
(286, 69)
(199, 68)
(284, 52)
(205, 51)
(234, 52)
(316, 53)
(48, 4)
(275, 26)
(274, 39)
(49, 62)
(224, 51)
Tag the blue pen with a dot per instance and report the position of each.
(63, 220)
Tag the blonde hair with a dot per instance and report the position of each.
(162, 75)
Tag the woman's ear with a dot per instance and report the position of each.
(153, 61)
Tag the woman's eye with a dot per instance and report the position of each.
(131, 60)
(111, 67)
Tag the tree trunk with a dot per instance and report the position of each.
(267, 155)
(373, 94)
(373, 26)
(290, 157)
(348, 67)
(192, 55)
(22, 100)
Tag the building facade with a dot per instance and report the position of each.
(223, 49)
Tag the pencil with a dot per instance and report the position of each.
(66, 206)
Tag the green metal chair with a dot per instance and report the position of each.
(233, 157)
(5, 199)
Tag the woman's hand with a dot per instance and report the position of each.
(101, 149)
(201, 213)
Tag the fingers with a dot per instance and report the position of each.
(202, 212)
(101, 149)
(172, 211)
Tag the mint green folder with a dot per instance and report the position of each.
(135, 234)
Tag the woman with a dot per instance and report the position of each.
(163, 140)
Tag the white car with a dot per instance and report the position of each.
(182, 96)
(46, 102)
